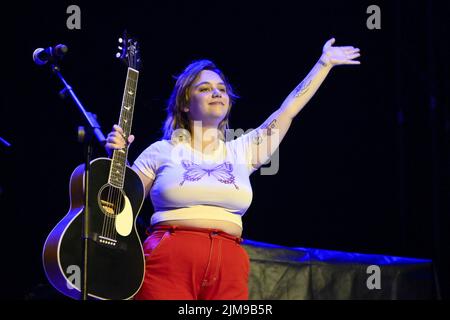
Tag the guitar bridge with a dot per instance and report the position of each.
(108, 242)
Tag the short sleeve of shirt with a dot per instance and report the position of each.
(242, 147)
(149, 160)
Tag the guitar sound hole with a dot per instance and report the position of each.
(111, 200)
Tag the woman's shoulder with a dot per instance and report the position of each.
(163, 143)
(239, 137)
(158, 146)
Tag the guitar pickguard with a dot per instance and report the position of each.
(124, 220)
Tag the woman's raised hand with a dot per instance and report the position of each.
(116, 140)
(339, 55)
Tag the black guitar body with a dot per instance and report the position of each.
(115, 268)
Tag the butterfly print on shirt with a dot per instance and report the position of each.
(222, 172)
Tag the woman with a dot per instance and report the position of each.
(199, 183)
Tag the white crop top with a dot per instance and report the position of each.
(191, 185)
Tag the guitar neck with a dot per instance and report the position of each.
(119, 159)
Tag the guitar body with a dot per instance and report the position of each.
(115, 256)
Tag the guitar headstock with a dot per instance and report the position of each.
(129, 52)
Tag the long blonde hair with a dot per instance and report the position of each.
(176, 118)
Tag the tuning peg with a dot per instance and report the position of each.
(120, 48)
(118, 55)
(120, 40)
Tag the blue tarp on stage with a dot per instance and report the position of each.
(279, 272)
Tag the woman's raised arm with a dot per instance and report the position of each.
(272, 131)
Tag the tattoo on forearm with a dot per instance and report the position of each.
(270, 126)
(302, 87)
(322, 63)
(257, 139)
(267, 130)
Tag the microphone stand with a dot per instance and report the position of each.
(84, 136)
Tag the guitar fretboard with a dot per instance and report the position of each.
(119, 159)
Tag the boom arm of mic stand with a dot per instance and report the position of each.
(90, 119)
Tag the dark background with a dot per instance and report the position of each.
(364, 167)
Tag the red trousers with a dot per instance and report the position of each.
(194, 264)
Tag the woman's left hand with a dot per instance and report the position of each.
(339, 55)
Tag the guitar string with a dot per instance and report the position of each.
(110, 207)
(105, 210)
(109, 204)
(116, 211)
(119, 207)
(118, 196)
(105, 215)
(130, 99)
(111, 197)
(115, 201)
(115, 196)
(108, 219)
(126, 126)
(111, 219)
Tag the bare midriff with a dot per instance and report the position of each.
(225, 226)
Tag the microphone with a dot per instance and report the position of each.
(41, 56)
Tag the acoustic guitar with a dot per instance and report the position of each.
(115, 259)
